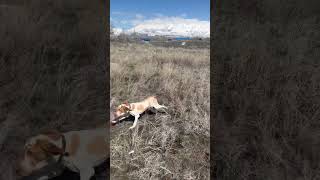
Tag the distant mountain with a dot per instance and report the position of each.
(171, 27)
(117, 31)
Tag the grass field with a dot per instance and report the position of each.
(52, 72)
(266, 90)
(166, 146)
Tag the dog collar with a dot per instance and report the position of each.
(63, 139)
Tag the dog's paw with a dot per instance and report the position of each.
(131, 152)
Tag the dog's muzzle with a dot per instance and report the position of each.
(119, 119)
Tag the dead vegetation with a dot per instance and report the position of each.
(266, 90)
(52, 71)
(166, 146)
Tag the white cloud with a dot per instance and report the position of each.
(126, 18)
(118, 13)
(124, 22)
(172, 26)
(183, 15)
(135, 22)
(117, 31)
(139, 16)
(158, 14)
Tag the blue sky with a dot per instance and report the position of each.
(127, 13)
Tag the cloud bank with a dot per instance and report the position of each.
(171, 26)
(117, 31)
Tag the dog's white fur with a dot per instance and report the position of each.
(82, 161)
(136, 109)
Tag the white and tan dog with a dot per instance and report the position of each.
(85, 149)
(136, 109)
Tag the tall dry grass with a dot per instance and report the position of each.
(52, 71)
(267, 103)
(166, 146)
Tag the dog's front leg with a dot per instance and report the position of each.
(136, 117)
(161, 108)
(86, 173)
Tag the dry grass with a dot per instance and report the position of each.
(166, 146)
(266, 81)
(52, 71)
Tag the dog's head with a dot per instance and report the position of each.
(122, 109)
(37, 152)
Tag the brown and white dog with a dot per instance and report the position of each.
(85, 149)
(136, 109)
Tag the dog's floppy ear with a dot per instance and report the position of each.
(122, 109)
(36, 152)
(49, 147)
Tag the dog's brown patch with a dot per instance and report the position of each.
(140, 107)
(124, 109)
(36, 153)
(52, 134)
(49, 147)
(74, 144)
(97, 146)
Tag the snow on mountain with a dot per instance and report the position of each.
(173, 26)
(117, 31)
